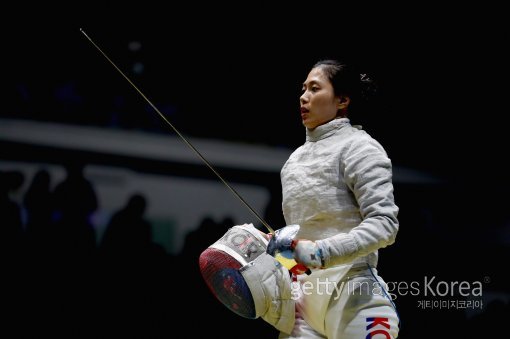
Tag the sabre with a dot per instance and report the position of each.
(269, 228)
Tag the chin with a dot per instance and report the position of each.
(305, 123)
(309, 125)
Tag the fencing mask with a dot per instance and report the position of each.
(246, 279)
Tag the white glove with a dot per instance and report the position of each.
(307, 252)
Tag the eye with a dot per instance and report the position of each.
(315, 88)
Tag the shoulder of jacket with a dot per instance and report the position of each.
(358, 139)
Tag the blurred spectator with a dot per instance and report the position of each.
(75, 202)
(38, 205)
(128, 232)
(11, 227)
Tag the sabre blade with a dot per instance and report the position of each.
(204, 160)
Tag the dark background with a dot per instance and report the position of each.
(234, 73)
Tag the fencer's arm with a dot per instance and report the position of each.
(367, 171)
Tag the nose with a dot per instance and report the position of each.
(303, 98)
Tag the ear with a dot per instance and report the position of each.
(343, 102)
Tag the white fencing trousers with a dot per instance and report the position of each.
(358, 308)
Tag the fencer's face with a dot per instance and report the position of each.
(318, 101)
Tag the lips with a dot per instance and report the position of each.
(304, 112)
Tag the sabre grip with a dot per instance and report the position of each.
(281, 247)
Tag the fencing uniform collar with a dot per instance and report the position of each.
(324, 131)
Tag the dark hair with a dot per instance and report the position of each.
(348, 81)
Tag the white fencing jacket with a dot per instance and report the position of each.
(338, 187)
